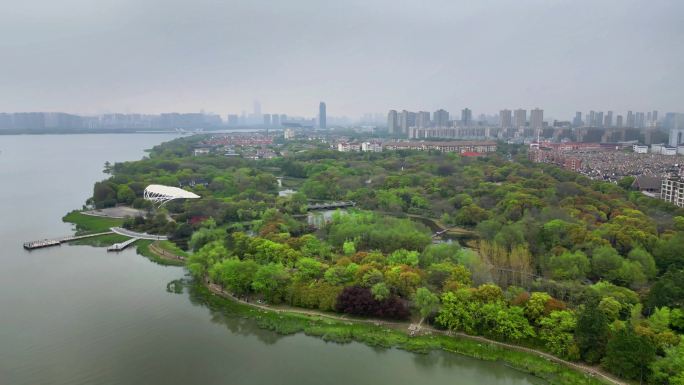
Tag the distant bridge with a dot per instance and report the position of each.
(330, 205)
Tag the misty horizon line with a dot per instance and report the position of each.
(361, 117)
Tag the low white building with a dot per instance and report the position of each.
(348, 147)
(657, 148)
(669, 151)
(371, 147)
(201, 151)
(289, 134)
(640, 149)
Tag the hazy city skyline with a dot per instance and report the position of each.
(564, 56)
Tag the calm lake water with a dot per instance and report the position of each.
(80, 315)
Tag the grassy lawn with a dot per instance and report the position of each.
(173, 249)
(384, 337)
(101, 241)
(86, 224)
(143, 248)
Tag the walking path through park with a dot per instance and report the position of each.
(590, 370)
(160, 252)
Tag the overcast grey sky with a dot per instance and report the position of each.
(93, 56)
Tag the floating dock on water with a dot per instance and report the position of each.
(58, 241)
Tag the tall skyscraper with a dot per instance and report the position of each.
(423, 119)
(466, 117)
(537, 119)
(630, 119)
(440, 118)
(654, 116)
(591, 119)
(676, 130)
(407, 119)
(275, 120)
(322, 119)
(608, 120)
(283, 118)
(520, 118)
(599, 119)
(577, 121)
(639, 120)
(392, 122)
(267, 119)
(506, 118)
(618, 121)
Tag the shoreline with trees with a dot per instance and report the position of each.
(581, 269)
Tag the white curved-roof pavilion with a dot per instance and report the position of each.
(161, 194)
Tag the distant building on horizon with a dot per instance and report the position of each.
(577, 121)
(506, 118)
(537, 119)
(440, 118)
(466, 117)
(322, 119)
(423, 119)
(520, 118)
(392, 122)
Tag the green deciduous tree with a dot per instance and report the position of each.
(592, 332)
(669, 370)
(270, 281)
(556, 330)
(629, 355)
(426, 301)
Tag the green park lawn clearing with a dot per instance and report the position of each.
(143, 248)
(87, 224)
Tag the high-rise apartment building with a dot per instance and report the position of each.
(423, 119)
(322, 118)
(520, 118)
(608, 120)
(599, 119)
(639, 120)
(577, 121)
(392, 122)
(406, 119)
(267, 119)
(275, 120)
(506, 118)
(630, 120)
(536, 119)
(466, 117)
(440, 118)
(618, 121)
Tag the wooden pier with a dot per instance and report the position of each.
(122, 245)
(58, 241)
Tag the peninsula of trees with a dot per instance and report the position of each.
(526, 253)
